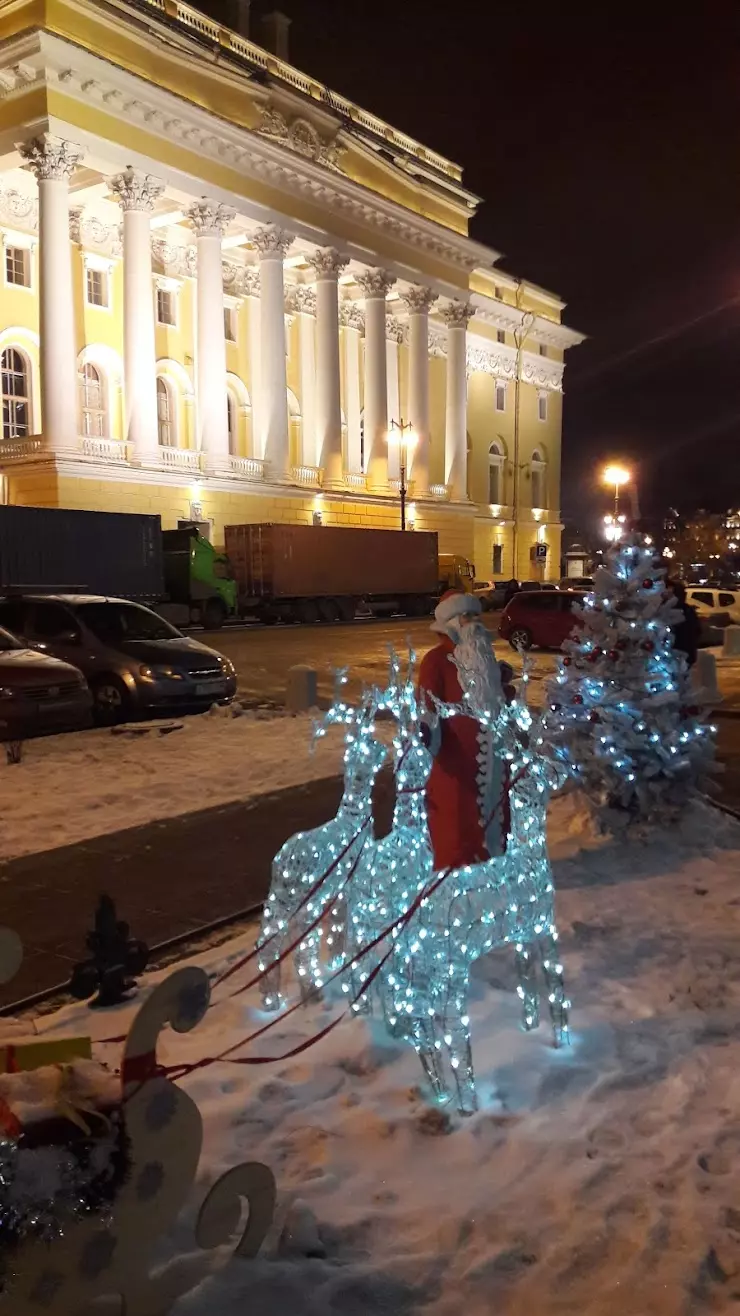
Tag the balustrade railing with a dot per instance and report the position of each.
(252, 468)
(183, 459)
(109, 450)
(310, 475)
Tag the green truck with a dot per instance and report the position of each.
(197, 580)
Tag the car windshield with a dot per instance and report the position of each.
(115, 622)
(8, 641)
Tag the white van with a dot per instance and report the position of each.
(708, 602)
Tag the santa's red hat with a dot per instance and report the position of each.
(454, 603)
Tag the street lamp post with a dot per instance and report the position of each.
(616, 475)
(402, 434)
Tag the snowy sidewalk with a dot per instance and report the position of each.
(596, 1181)
(167, 878)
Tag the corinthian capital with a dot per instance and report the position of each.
(272, 241)
(136, 191)
(375, 283)
(50, 157)
(457, 315)
(328, 263)
(350, 315)
(302, 300)
(418, 300)
(209, 218)
(393, 329)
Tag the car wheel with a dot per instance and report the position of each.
(520, 638)
(110, 701)
(307, 612)
(214, 614)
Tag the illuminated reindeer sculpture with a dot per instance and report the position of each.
(311, 871)
(471, 910)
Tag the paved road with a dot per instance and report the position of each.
(262, 655)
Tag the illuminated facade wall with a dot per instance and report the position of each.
(218, 292)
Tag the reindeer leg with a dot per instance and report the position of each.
(457, 1042)
(557, 999)
(527, 987)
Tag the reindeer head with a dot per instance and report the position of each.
(364, 755)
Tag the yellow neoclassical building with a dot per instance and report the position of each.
(223, 285)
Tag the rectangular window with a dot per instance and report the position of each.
(542, 406)
(498, 292)
(97, 288)
(500, 335)
(230, 324)
(543, 349)
(501, 397)
(18, 266)
(498, 559)
(166, 307)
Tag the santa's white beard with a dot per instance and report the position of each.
(478, 670)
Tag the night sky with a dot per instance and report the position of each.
(607, 151)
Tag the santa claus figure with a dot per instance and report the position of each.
(467, 794)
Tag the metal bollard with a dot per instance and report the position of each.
(302, 691)
(731, 644)
(704, 674)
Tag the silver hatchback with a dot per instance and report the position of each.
(134, 662)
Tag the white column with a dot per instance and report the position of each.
(353, 325)
(137, 194)
(272, 244)
(209, 219)
(418, 302)
(456, 316)
(53, 162)
(304, 300)
(251, 286)
(327, 265)
(393, 336)
(375, 284)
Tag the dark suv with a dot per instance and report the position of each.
(135, 663)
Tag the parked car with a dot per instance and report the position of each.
(542, 618)
(39, 694)
(135, 663)
(532, 586)
(713, 602)
(491, 593)
(577, 582)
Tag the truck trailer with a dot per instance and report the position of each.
(117, 554)
(329, 573)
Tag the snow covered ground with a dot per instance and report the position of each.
(69, 788)
(601, 1180)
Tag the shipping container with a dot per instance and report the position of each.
(327, 571)
(113, 553)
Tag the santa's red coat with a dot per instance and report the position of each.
(455, 825)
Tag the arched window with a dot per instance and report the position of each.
(93, 409)
(16, 389)
(539, 480)
(495, 475)
(233, 421)
(166, 415)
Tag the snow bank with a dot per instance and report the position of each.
(69, 788)
(600, 1180)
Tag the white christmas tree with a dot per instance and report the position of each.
(622, 712)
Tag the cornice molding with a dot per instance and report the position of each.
(512, 318)
(500, 360)
(98, 84)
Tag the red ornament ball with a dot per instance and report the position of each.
(648, 584)
(594, 657)
(578, 699)
(567, 661)
(613, 654)
(594, 717)
(648, 646)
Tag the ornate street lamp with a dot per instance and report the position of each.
(404, 436)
